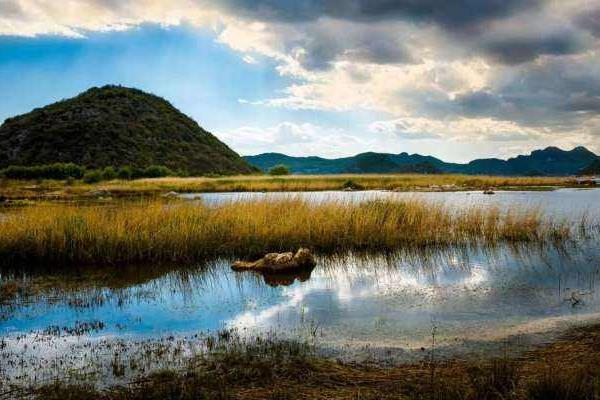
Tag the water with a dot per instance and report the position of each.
(375, 307)
(559, 203)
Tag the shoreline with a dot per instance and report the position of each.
(65, 190)
(291, 371)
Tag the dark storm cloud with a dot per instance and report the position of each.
(478, 103)
(362, 44)
(518, 50)
(590, 21)
(451, 14)
(558, 92)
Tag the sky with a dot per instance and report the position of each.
(456, 79)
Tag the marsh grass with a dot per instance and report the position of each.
(183, 231)
(334, 182)
(262, 183)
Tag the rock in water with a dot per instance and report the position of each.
(278, 262)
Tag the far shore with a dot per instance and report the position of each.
(67, 190)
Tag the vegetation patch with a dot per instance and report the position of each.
(124, 186)
(181, 231)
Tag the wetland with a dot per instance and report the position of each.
(116, 299)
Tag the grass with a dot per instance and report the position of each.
(268, 369)
(11, 189)
(161, 231)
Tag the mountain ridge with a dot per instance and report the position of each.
(548, 161)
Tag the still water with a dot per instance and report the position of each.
(560, 203)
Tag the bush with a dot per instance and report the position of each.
(109, 173)
(72, 171)
(93, 176)
(279, 170)
(157, 171)
(52, 171)
(350, 184)
(125, 173)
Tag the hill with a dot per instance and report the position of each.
(592, 169)
(361, 163)
(550, 161)
(115, 126)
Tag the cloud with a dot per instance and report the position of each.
(590, 21)
(294, 139)
(409, 129)
(462, 129)
(77, 18)
(452, 15)
(517, 50)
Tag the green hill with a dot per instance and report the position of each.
(592, 169)
(115, 126)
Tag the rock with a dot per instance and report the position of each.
(278, 262)
(170, 195)
(99, 193)
(488, 191)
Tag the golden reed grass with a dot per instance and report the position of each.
(330, 182)
(12, 189)
(183, 231)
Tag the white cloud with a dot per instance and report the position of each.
(482, 129)
(295, 139)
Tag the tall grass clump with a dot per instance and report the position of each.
(165, 231)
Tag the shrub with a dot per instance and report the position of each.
(93, 176)
(51, 171)
(279, 170)
(125, 173)
(350, 184)
(109, 173)
(137, 173)
(157, 171)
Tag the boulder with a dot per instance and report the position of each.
(99, 193)
(278, 262)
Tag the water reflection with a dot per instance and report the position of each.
(349, 304)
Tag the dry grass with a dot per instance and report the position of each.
(260, 183)
(181, 231)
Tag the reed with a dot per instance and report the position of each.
(294, 183)
(187, 231)
(334, 182)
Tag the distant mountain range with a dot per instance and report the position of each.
(550, 161)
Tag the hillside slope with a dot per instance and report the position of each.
(115, 126)
(592, 169)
